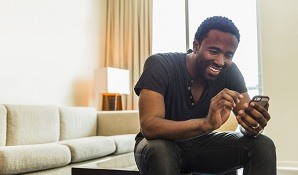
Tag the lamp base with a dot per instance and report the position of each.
(111, 102)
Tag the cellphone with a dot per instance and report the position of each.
(261, 100)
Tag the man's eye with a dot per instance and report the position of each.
(213, 52)
(229, 56)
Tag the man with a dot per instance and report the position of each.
(184, 97)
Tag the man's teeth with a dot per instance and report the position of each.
(214, 69)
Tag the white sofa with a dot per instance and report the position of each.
(49, 139)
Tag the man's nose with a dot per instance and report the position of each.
(220, 60)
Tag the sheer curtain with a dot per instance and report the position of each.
(244, 15)
(128, 39)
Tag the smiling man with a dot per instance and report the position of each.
(184, 97)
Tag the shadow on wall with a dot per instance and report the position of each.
(83, 93)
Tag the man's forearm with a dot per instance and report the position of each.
(175, 130)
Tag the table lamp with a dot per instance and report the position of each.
(111, 83)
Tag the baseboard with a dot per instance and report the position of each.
(287, 168)
(283, 168)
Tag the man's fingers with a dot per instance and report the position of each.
(225, 103)
(262, 110)
(251, 126)
(258, 113)
(232, 97)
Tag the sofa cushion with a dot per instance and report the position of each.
(3, 123)
(77, 122)
(124, 143)
(27, 158)
(32, 124)
(89, 147)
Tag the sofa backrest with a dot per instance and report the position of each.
(32, 124)
(3, 113)
(117, 122)
(77, 122)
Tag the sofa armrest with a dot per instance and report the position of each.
(118, 122)
(127, 122)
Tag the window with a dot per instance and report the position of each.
(174, 29)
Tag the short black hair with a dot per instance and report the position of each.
(220, 23)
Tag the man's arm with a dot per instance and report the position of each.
(153, 122)
(154, 125)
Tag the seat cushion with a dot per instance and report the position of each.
(89, 147)
(77, 122)
(3, 123)
(124, 143)
(23, 122)
(27, 158)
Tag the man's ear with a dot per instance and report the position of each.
(195, 46)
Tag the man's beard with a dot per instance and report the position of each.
(202, 66)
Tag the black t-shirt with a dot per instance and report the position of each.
(167, 74)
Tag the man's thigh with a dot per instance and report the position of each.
(157, 156)
(213, 153)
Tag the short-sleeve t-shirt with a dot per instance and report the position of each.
(167, 74)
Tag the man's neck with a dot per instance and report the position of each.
(191, 69)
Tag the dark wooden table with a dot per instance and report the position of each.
(118, 165)
(99, 171)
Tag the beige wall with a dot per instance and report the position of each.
(49, 50)
(279, 44)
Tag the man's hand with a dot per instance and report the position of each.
(253, 118)
(221, 106)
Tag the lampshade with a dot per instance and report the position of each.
(111, 83)
(112, 80)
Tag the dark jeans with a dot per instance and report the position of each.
(213, 153)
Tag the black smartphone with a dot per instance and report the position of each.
(261, 100)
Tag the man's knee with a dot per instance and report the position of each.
(265, 142)
(161, 147)
(265, 147)
(158, 156)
